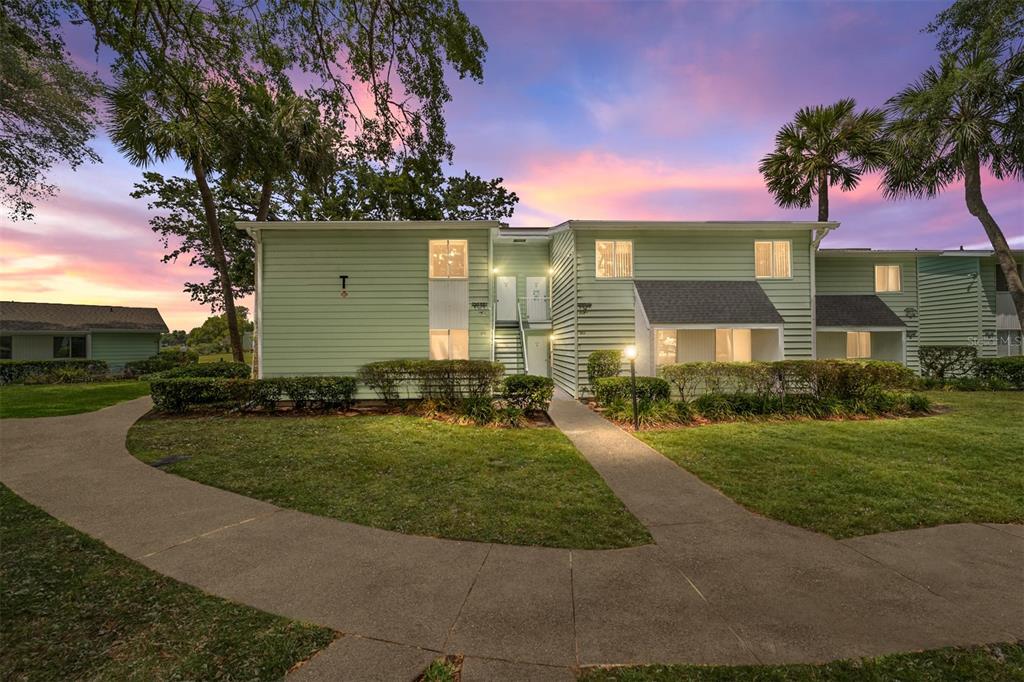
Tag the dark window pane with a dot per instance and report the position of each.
(6, 347)
(78, 346)
(60, 346)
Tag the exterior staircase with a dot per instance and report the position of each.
(508, 348)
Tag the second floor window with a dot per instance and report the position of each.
(888, 278)
(614, 258)
(449, 259)
(772, 259)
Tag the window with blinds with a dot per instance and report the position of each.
(449, 344)
(666, 346)
(614, 259)
(732, 345)
(449, 259)
(858, 345)
(773, 259)
(888, 278)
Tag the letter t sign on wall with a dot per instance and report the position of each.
(344, 284)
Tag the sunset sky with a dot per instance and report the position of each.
(589, 110)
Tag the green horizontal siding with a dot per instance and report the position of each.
(119, 348)
(529, 259)
(950, 301)
(837, 275)
(609, 321)
(309, 329)
(563, 312)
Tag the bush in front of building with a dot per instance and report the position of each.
(167, 359)
(445, 382)
(182, 394)
(528, 393)
(602, 364)
(947, 362)
(1008, 371)
(72, 370)
(609, 390)
(223, 370)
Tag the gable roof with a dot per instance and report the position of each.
(705, 302)
(855, 310)
(16, 316)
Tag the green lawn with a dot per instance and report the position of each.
(994, 663)
(848, 478)
(413, 475)
(52, 400)
(75, 610)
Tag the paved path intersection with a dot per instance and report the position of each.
(721, 585)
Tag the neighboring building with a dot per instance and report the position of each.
(54, 331)
(332, 296)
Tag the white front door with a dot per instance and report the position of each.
(537, 299)
(506, 306)
(537, 354)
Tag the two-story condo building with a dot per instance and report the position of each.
(332, 296)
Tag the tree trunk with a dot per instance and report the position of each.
(221, 261)
(263, 210)
(823, 197)
(976, 205)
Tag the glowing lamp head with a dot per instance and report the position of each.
(629, 352)
(495, 271)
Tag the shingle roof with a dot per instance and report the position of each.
(705, 302)
(66, 317)
(859, 310)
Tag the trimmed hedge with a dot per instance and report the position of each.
(528, 393)
(947, 362)
(224, 370)
(609, 390)
(166, 359)
(822, 379)
(181, 394)
(18, 371)
(1008, 370)
(447, 382)
(602, 364)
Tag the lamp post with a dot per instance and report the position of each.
(630, 353)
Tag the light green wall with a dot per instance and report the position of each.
(529, 259)
(31, 347)
(691, 254)
(950, 300)
(119, 348)
(309, 329)
(563, 312)
(855, 274)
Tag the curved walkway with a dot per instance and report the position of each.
(721, 585)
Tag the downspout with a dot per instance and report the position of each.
(491, 289)
(819, 234)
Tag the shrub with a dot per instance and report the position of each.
(169, 358)
(1009, 370)
(944, 362)
(386, 378)
(449, 381)
(62, 375)
(510, 417)
(225, 370)
(21, 371)
(602, 364)
(652, 413)
(478, 408)
(528, 393)
(648, 389)
(180, 394)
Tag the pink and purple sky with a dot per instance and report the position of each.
(589, 110)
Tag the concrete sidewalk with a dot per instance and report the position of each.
(720, 586)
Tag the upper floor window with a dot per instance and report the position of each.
(6, 347)
(449, 259)
(888, 278)
(614, 258)
(772, 259)
(69, 346)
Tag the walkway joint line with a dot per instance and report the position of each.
(465, 600)
(210, 532)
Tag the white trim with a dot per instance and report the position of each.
(253, 226)
(814, 296)
(716, 325)
(790, 276)
(258, 312)
(632, 259)
(77, 332)
(899, 267)
(717, 225)
(853, 328)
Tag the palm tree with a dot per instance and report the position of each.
(966, 114)
(824, 146)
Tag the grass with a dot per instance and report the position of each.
(53, 400)
(225, 357)
(403, 473)
(75, 610)
(849, 478)
(996, 663)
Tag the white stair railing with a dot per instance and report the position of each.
(522, 336)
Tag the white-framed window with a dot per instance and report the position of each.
(6, 347)
(449, 344)
(773, 259)
(858, 345)
(888, 278)
(732, 345)
(666, 346)
(449, 259)
(614, 258)
(69, 347)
